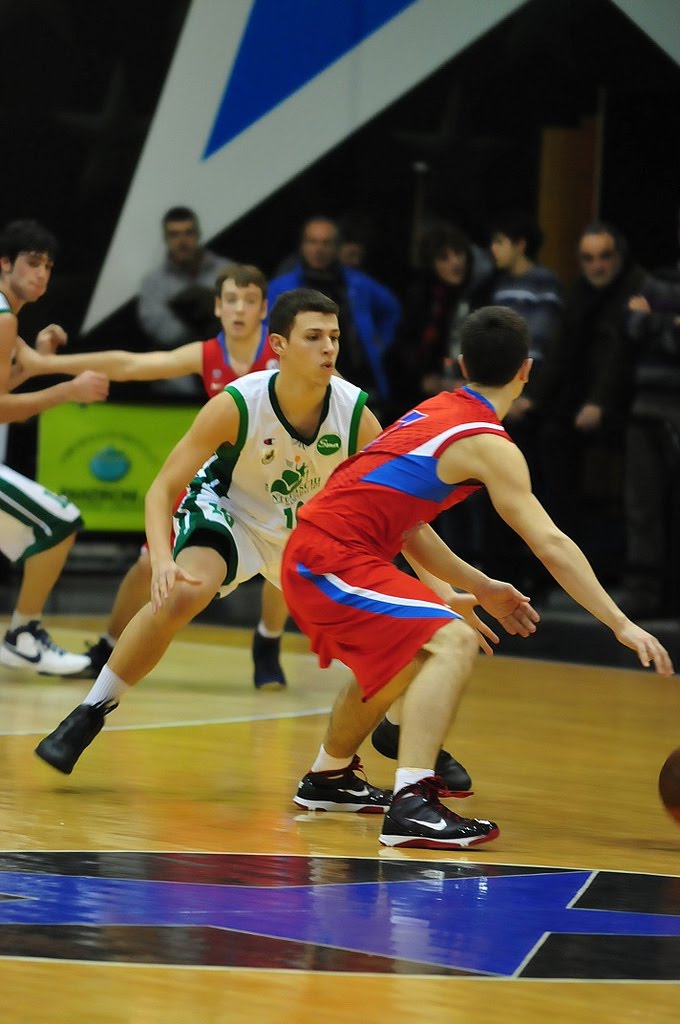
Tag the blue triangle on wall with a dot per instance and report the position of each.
(286, 43)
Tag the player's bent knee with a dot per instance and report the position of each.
(456, 641)
(185, 601)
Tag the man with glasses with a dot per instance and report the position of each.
(590, 380)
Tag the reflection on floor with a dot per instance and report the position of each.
(175, 843)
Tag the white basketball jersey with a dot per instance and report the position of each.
(271, 470)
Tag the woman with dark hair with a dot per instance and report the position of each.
(423, 360)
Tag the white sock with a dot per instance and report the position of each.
(409, 776)
(325, 763)
(108, 686)
(22, 620)
(267, 633)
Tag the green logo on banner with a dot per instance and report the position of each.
(329, 444)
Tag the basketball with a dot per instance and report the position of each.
(669, 784)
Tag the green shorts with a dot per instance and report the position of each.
(32, 519)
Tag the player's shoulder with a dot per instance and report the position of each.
(254, 383)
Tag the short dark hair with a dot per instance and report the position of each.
(603, 227)
(494, 344)
(179, 213)
(517, 225)
(297, 300)
(437, 238)
(26, 236)
(242, 274)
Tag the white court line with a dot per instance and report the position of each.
(186, 724)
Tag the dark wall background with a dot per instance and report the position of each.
(79, 83)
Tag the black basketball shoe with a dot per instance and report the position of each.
(98, 654)
(385, 739)
(417, 818)
(65, 744)
(268, 673)
(342, 790)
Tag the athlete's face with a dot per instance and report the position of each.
(28, 276)
(600, 262)
(241, 309)
(311, 350)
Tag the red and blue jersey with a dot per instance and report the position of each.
(217, 368)
(374, 499)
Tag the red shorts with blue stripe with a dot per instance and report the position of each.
(357, 607)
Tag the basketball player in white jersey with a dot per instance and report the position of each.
(255, 453)
(37, 528)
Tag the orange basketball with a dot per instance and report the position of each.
(669, 784)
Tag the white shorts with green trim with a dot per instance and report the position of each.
(247, 551)
(32, 519)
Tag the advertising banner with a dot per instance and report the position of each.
(103, 457)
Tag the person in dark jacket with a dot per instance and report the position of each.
(369, 312)
(589, 388)
(424, 359)
(653, 447)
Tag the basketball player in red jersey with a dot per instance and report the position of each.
(242, 346)
(397, 635)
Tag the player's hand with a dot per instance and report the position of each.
(648, 649)
(164, 576)
(89, 386)
(464, 605)
(50, 339)
(511, 608)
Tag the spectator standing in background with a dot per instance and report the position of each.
(440, 296)
(369, 312)
(653, 443)
(589, 385)
(534, 292)
(176, 299)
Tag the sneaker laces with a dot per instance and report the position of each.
(435, 790)
(43, 637)
(352, 768)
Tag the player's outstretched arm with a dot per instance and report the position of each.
(504, 471)
(117, 364)
(85, 388)
(424, 549)
(217, 423)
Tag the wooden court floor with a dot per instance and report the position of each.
(171, 878)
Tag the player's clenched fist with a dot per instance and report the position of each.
(90, 387)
